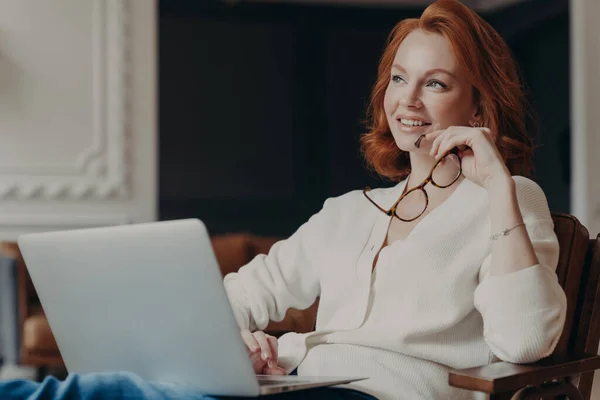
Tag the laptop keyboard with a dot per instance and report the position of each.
(264, 382)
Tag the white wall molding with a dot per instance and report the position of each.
(100, 170)
(17, 224)
(78, 106)
(46, 221)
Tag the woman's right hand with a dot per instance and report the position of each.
(262, 350)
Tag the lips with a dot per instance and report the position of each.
(413, 129)
(412, 121)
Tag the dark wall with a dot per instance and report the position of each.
(543, 53)
(261, 106)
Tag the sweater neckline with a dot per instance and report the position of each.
(446, 203)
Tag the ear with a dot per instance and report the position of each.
(475, 115)
(476, 106)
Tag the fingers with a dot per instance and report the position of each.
(439, 138)
(462, 137)
(269, 347)
(263, 351)
(257, 362)
(449, 143)
(250, 341)
(442, 144)
(276, 370)
(431, 137)
(265, 346)
(274, 345)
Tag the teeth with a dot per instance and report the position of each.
(412, 122)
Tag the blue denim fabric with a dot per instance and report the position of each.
(127, 386)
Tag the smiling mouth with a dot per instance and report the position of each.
(412, 122)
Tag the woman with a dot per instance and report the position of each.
(451, 268)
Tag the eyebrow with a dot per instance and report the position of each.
(429, 72)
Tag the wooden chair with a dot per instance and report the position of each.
(570, 370)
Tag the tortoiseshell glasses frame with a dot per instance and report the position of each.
(392, 211)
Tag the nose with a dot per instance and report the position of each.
(411, 97)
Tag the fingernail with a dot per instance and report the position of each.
(265, 356)
(271, 364)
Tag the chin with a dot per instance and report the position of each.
(407, 142)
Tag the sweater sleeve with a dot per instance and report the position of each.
(270, 284)
(524, 311)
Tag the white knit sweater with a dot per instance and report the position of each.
(428, 306)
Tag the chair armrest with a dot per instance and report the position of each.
(504, 377)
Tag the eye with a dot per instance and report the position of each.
(436, 85)
(397, 79)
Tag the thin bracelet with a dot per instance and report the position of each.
(505, 232)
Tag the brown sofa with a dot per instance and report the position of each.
(38, 347)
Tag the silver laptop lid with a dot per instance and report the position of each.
(146, 298)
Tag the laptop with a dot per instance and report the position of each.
(147, 298)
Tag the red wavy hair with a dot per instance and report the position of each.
(486, 61)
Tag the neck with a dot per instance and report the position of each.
(420, 166)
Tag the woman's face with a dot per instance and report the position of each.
(427, 90)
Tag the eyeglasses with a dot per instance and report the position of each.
(414, 202)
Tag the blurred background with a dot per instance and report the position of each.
(243, 113)
(270, 97)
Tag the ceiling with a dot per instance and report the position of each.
(478, 5)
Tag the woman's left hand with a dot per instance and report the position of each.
(481, 161)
